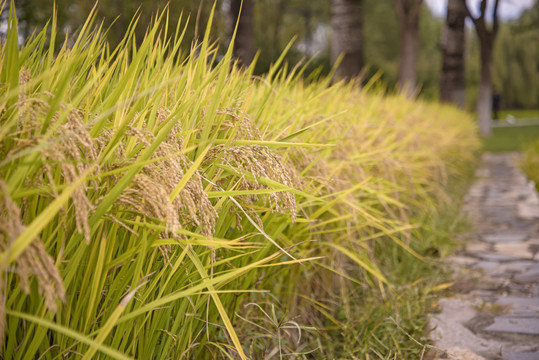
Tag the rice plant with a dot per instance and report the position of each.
(148, 196)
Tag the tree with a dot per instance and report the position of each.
(486, 38)
(244, 44)
(452, 79)
(408, 15)
(347, 24)
(516, 61)
(116, 16)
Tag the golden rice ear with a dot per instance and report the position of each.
(73, 150)
(240, 120)
(174, 136)
(260, 162)
(33, 261)
(150, 190)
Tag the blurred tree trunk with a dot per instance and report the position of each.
(278, 22)
(408, 14)
(120, 21)
(486, 41)
(452, 80)
(347, 24)
(244, 44)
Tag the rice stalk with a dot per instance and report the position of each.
(205, 188)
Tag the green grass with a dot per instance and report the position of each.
(519, 114)
(511, 138)
(155, 206)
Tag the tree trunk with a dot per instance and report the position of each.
(452, 79)
(484, 100)
(409, 40)
(121, 28)
(486, 42)
(244, 44)
(408, 16)
(277, 24)
(347, 24)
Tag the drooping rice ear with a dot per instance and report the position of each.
(33, 261)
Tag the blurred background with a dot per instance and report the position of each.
(515, 72)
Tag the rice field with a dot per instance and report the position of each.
(157, 204)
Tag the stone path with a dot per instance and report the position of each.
(494, 313)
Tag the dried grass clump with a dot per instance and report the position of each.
(34, 260)
(261, 163)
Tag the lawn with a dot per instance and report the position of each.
(516, 130)
(511, 138)
(519, 114)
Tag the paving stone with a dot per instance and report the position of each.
(520, 356)
(520, 249)
(533, 245)
(483, 293)
(504, 208)
(449, 331)
(516, 325)
(530, 276)
(496, 257)
(482, 173)
(499, 212)
(486, 265)
(523, 180)
(518, 266)
(512, 193)
(523, 301)
(518, 288)
(527, 210)
(505, 237)
(532, 195)
(462, 260)
(521, 225)
(476, 247)
(531, 198)
(474, 195)
(456, 353)
(521, 306)
(500, 202)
